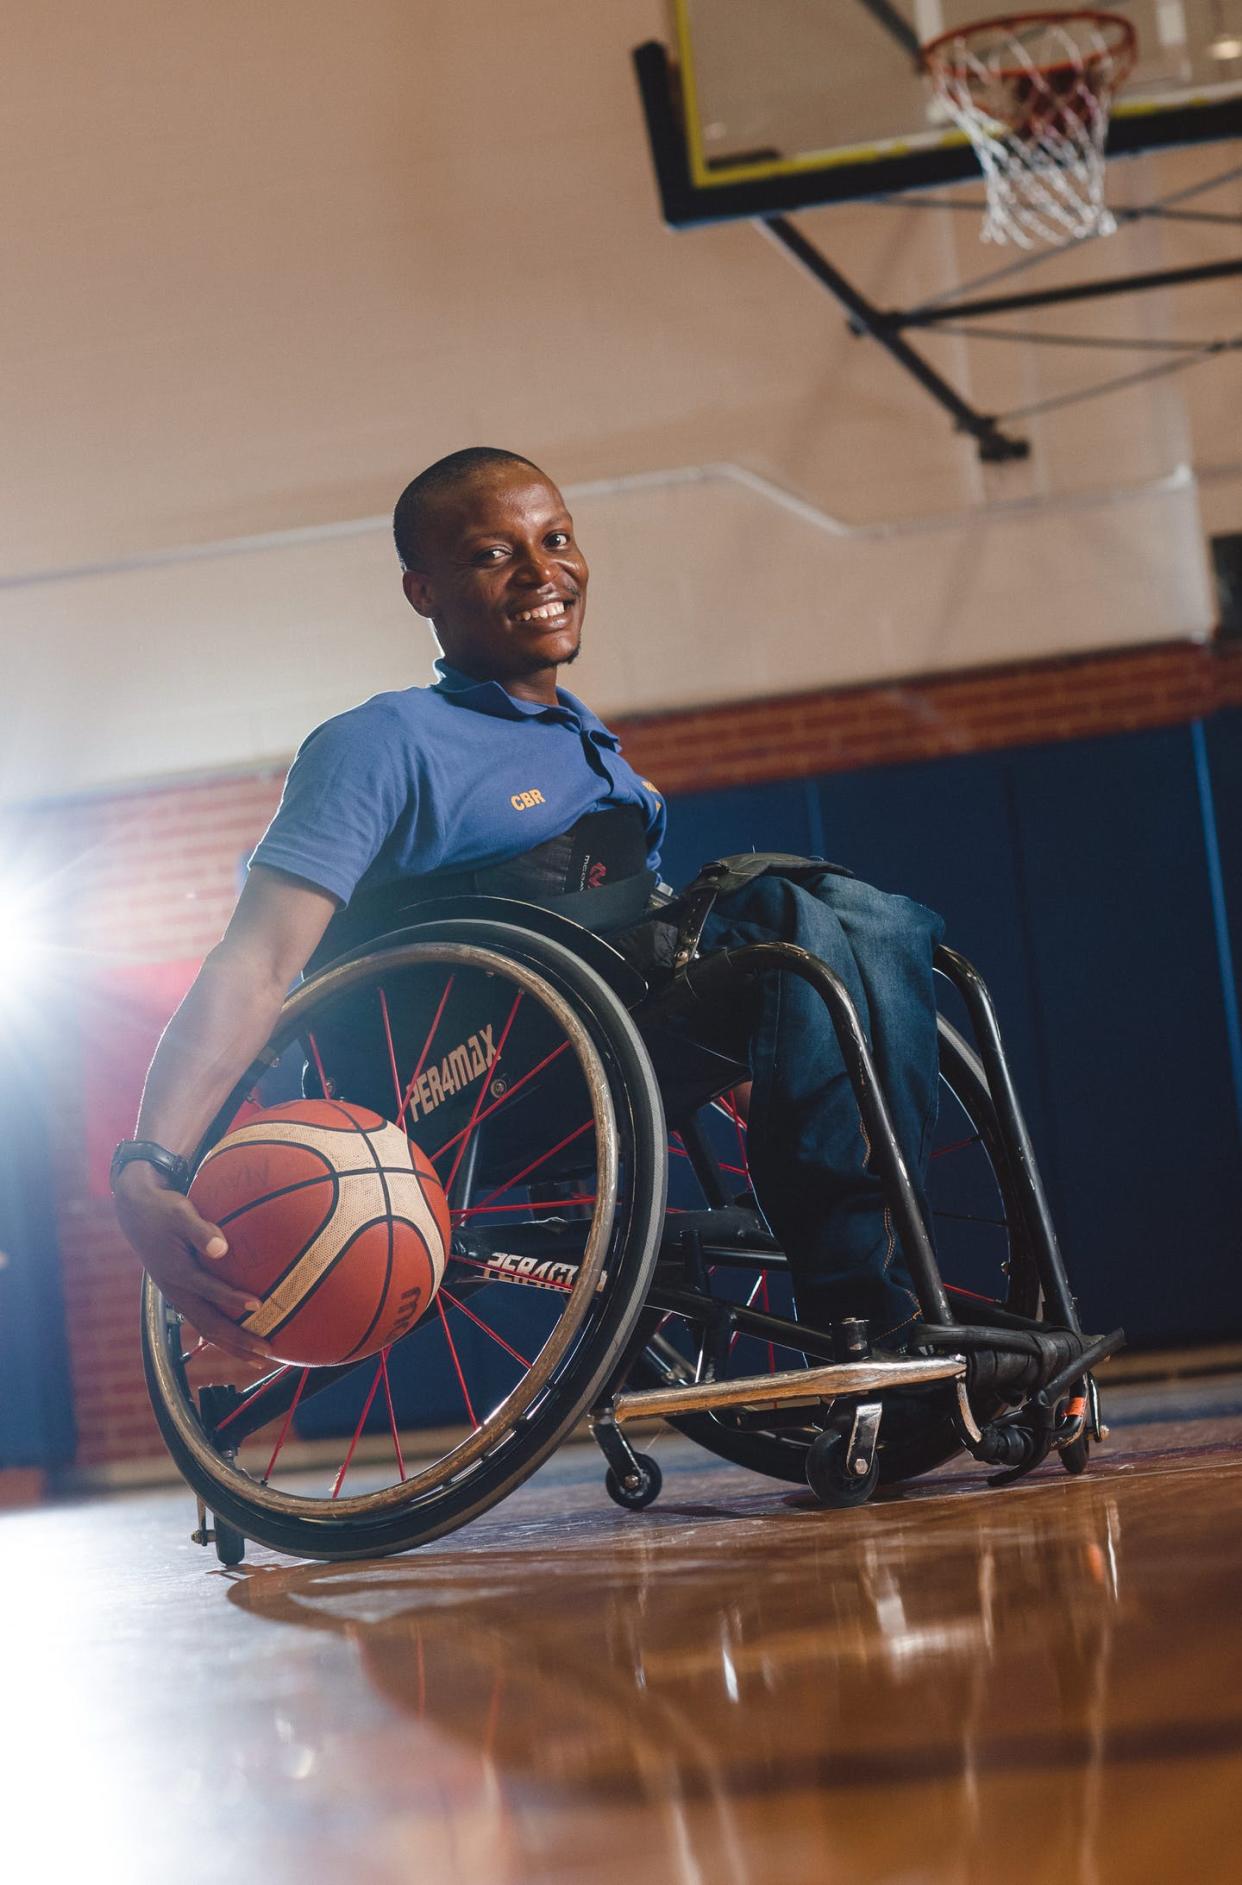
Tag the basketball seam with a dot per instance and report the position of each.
(383, 1295)
(330, 1266)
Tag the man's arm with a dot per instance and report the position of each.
(227, 1017)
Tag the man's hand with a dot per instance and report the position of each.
(177, 1248)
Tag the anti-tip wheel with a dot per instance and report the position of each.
(230, 1545)
(827, 1477)
(645, 1493)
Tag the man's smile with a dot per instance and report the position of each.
(553, 613)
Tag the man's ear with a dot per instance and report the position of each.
(418, 592)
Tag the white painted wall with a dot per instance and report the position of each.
(267, 263)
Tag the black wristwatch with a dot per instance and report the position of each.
(176, 1168)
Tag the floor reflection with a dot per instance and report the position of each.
(802, 1669)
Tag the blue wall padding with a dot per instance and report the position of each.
(36, 1405)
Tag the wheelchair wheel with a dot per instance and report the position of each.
(985, 1257)
(519, 1072)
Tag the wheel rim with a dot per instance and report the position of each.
(503, 1207)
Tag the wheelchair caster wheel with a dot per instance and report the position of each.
(230, 1545)
(827, 1477)
(645, 1493)
(1075, 1456)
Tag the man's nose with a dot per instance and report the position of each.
(535, 567)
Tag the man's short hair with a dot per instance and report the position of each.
(447, 474)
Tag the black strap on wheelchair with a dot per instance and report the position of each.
(595, 874)
(726, 874)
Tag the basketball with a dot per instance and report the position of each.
(334, 1220)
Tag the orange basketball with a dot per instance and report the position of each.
(334, 1220)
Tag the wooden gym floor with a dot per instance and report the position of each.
(734, 1688)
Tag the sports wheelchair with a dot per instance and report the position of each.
(609, 1262)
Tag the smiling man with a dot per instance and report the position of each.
(496, 780)
(492, 779)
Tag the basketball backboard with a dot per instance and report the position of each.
(771, 105)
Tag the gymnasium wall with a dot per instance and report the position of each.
(1055, 812)
(268, 262)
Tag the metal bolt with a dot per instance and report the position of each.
(632, 1482)
(498, 1087)
(860, 1467)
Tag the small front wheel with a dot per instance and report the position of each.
(828, 1478)
(638, 1489)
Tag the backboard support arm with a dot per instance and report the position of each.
(995, 446)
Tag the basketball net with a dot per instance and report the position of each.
(1034, 92)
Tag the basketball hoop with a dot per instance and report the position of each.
(1033, 92)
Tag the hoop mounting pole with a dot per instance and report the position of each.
(995, 446)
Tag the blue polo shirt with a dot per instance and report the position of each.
(454, 776)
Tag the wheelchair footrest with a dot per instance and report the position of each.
(790, 1387)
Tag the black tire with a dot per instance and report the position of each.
(917, 1433)
(620, 1241)
(646, 1492)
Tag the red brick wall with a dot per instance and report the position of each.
(842, 729)
(152, 875)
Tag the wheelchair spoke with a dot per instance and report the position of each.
(392, 1416)
(324, 1088)
(958, 1145)
(461, 1379)
(392, 1052)
(455, 1303)
(403, 1103)
(569, 1139)
(284, 1431)
(483, 1086)
(252, 1394)
(339, 1481)
(504, 1098)
(547, 1204)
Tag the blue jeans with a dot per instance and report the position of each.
(809, 1156)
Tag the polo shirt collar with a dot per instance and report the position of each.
(491, 698)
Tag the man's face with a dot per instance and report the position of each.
(504, 582)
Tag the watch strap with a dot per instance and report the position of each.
(175, 1167)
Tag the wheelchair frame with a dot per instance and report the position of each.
(1009, 1387)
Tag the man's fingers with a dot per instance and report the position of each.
(222, 1333)
(238, 1302)
(207, 1239)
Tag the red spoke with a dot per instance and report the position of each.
(486, 1327)
(339, 1481)
(535, 1164)
(269, 1380)
(553, 1204)
(431, 1035)
(461, 1379)
(323, 1078)
(736, 1336)
(505, 1096)
(392, 1052)
(284, 1432)
(509, 1276)
(958, 1145)
(392, 1417)
(680, 1152)
(736, 1117)
(484, 1083)
(955, 1289)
